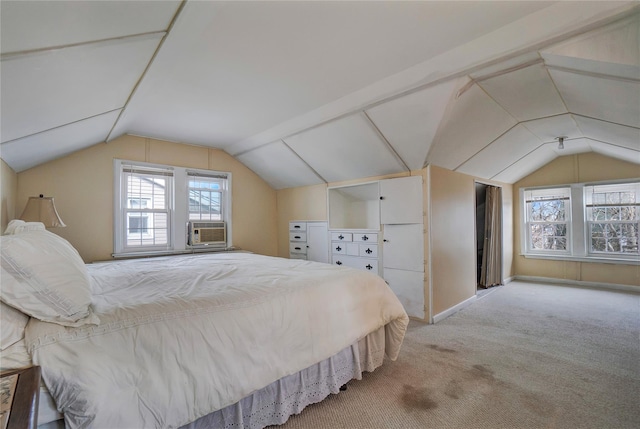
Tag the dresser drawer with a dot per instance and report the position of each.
(297, 226)
(297, 248)
(297, 236)
(341, 236)
(367, 238)
(297, 256)
(338, 248)
(365, 264)
(368, 250)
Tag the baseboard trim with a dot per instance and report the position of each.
(579, 283)
(448, 312)
(508, 280)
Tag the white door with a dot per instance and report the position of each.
(401, 200)
(403, 247)
(318, 242)
(409, 288)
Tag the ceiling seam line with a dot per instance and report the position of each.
(511, 69)
(385, 141)
(146, 69)
(526, 121)
(305, 162)
(27, 52)
(465, 72)
(611, 144)
(518, 160)
(553, 82)
(60, 126)
(487, 145)
(594, 74)
(604, 120)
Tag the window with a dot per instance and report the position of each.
(548, 219)
(582, 221)
(613, 218)
(153, 204)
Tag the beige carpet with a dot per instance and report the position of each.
(523, 356)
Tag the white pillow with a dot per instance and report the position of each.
(44, 276)
(17, 226)
(12, 327)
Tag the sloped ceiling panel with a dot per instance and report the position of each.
(44, 90)
(345, 149)
(618, 152)
(609, 99)
(607, 132)
(493, 159)
(279, 166)
(526, 94)
(30, 151)
(549, 129)
(29, 25)
(474, 121)
(527, 165)
(409, 123)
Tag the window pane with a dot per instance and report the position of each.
(205, 199)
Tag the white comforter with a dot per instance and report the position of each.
(180, 337)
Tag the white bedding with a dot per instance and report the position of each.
(180, 337)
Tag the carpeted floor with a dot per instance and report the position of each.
(524, 356)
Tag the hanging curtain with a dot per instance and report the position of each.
(491, 272)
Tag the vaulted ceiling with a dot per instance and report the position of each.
(314, 92)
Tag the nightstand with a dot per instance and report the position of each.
(23, 411)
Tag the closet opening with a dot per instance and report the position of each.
(488, 236)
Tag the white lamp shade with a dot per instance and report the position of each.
(42, 209)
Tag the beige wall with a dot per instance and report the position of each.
(82, 184)
(8, 192)
(586, 167)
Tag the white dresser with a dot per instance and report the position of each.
(356, 249)
(308, 240)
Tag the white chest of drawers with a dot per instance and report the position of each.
(308, 240)
(356, 249)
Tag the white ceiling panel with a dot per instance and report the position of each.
(345, 149)
(526, 94)
(511, 63)
(30, 151)
(621, 153)
(618, 135)
(410, 123)
(625, 71)
(618, 43)
(279, 166)
(549, 129)
(29, 25)
(513, 145)
(49, 89)
(474, 121)
(524, 166)
(610, 99)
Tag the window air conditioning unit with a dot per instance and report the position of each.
(201, 233)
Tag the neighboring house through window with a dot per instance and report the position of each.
(153, 204)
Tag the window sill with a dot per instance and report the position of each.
(203, 249)
(591, 259)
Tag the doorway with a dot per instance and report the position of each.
(488, 236)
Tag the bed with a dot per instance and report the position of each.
(207, 340)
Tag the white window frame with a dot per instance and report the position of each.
(178, 199)
(580, 243)
(529, 193)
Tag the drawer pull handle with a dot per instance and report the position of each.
(338, 263)
(297, 236)
(341, 236)
(338, 249)
(297, 226)
(369, 267)
(365, 238)
(298, 248)
(368, 251)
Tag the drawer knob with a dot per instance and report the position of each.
(368, 251)
(338, 263)
(369, 267)
(341, 236)
(338, 248)
(365, 238)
